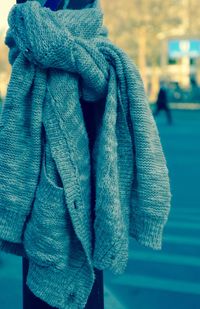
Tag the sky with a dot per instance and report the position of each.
(5, 6)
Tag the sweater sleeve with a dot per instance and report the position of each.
(20, 149)
(151, 196)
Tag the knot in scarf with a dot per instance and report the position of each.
(68, 40)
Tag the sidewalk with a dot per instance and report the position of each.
(170, 278)
(10, 282)
(153, 280)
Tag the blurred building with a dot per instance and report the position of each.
(151, 31)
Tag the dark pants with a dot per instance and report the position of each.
(166, 110)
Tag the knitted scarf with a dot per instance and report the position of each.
(75, 44)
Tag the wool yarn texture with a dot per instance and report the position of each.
(59, 58)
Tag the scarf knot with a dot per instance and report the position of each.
(66, 40)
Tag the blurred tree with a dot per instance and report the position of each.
(141, 26)
(4, 65)
(136, 24)
(191, 11)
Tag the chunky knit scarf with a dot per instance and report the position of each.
(72, 46)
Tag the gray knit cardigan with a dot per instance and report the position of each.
(45, 210)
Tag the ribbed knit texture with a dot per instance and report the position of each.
(45, 169)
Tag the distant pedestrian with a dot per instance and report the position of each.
(162, 103)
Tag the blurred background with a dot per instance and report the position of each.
(163, 39)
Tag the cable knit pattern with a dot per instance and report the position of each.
(45, 163)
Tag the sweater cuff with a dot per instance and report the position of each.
(148, 231)
(11, 226)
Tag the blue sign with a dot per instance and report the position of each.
(181, 48)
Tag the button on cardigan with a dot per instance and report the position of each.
(59, 58)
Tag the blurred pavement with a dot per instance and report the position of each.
(153, 279)
(170, 278)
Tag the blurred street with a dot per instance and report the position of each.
(154, 279)
(10, 282)
(170, 278)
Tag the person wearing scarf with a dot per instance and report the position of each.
(59, 58)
